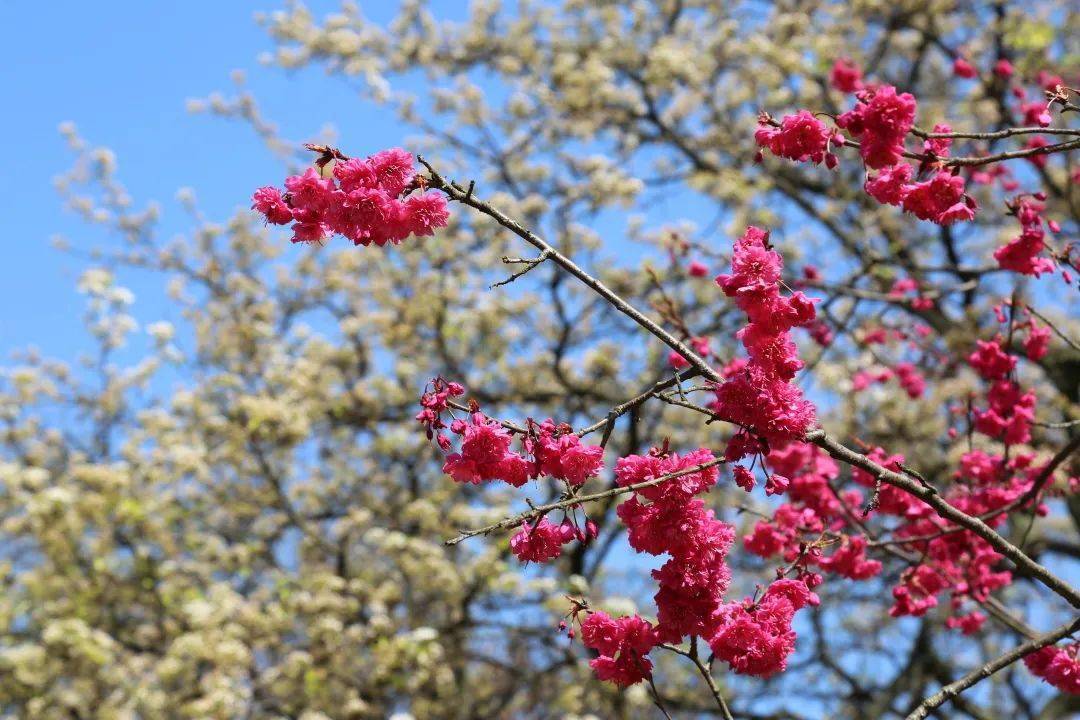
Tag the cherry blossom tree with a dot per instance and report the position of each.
(446, 454)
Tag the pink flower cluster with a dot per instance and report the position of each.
(1023, 254)
(813, 509)
(1010, 411)
(1037, 342)
(953, 560)
(890, 500)
(939, 146)
(559, 453)
(1058, 666)
(990, 361)
(911, 380)
(846, 76)
(1036, 113)
(800, 137)
(623, 645)
(364, 201)
(850, 561)
(968, 624)
(549, 450)
(964, 69)
(908, 285)
(879, 124)
(756, 638)
(940, 199)
(667, 518)
(485, 454)
(542, 541)
(433, 403)
(758, 395)
(958, 560)
(881, 120)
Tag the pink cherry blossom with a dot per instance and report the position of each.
(540, 542)
(881, 121)
(622, 644)
(845, 76)
(963, 69)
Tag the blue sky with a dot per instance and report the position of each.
(122, 71)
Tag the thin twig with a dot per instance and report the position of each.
(657, 700)
(705, 674)
(996, 135)
(529, 265)
(1013, 155)
(1057, 425)
(620, 410)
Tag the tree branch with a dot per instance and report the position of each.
(953, 689)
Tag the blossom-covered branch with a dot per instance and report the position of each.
(948, 537)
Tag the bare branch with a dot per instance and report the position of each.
(951, 690)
